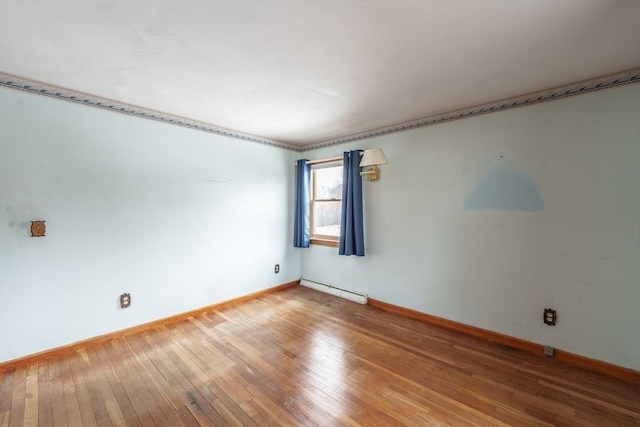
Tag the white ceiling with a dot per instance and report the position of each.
(301, 72)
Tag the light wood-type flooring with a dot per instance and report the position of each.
(299, 357)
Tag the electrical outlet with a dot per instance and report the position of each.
(550, 317)
(548, 350)
(277, 269)
(125, 300)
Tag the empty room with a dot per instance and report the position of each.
(327, 213)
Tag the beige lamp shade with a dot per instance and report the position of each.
(372, 157)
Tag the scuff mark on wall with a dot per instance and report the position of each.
(19, 219)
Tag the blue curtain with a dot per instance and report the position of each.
(351, 227)
(301, 220)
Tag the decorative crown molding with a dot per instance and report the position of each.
(587, 86)
(14, 82)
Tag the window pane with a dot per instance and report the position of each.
(329, 183)
(326, 218)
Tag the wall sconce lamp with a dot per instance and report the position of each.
(372, 158)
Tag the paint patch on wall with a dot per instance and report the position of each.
(217, 180)
(505, 189)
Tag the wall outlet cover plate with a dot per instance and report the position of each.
(125, 300)
(548, 350)
(38, 228)
(550, 317)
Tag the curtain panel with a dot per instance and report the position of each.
(352, 223)
(301, 234)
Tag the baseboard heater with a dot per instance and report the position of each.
(333, 290)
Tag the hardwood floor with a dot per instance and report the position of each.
(299, 357)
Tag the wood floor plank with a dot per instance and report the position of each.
(31, 401)
(201, 409)
(6, 391)
(108, 372)
(104, 392)
(160, 391)
(18, 398)
(126, 389)
(45, 405)
(299, 357)
(57, 393)
(72, 408)
(195, 372)
(92, 410)
(146, 407)
(168, 385)
(225, 398)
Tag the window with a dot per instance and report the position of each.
(326, 202)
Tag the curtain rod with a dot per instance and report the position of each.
(330, 159)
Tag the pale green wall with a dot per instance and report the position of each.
(575, 249)
(160, 211)
(179, 218)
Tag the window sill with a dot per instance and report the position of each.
(324, 242)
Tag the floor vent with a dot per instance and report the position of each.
(333, 290)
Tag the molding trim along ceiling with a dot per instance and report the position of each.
(606, 82)
(14, 82)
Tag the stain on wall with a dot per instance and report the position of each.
(505, 189)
